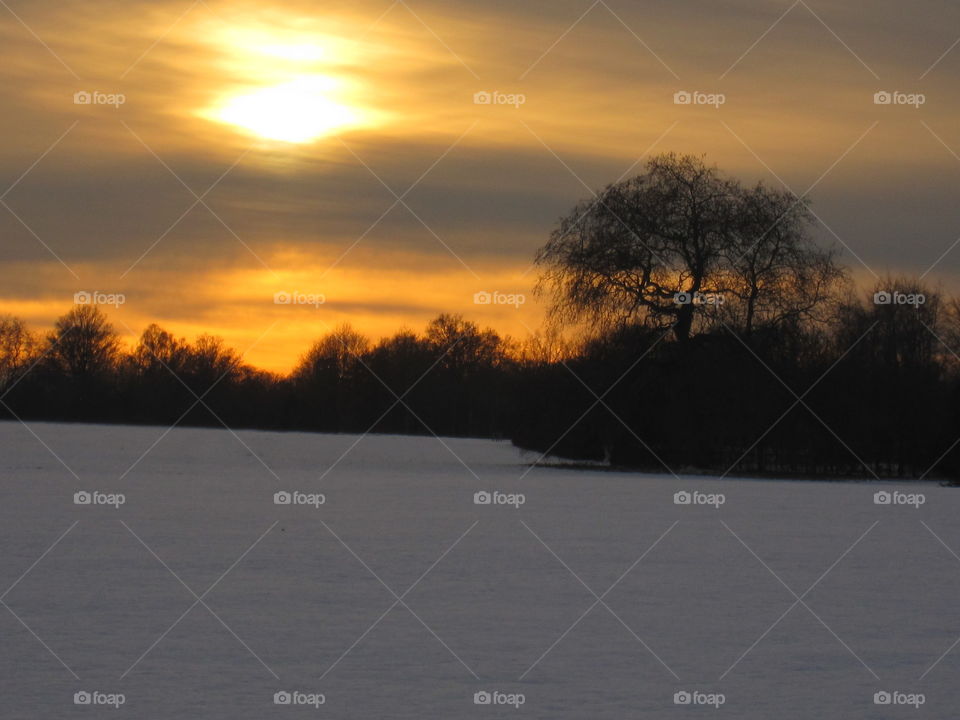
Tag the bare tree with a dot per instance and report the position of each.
(628, 254)
(908, 319)
(159, 352)
(17, 347)
(338, 354)
(83, 343)
(544, 347)
(209, 360)
(669, 245)
(462, 345)
(776, 273)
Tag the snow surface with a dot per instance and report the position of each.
(503, 599)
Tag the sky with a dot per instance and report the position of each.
(394, 159)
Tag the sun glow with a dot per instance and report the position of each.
(298, 111)
(290, 87)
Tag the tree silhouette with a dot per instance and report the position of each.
(335, 356)
(776, 274)
(17, 348)
(652, 248)
(84, 344)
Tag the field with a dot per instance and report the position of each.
(384, 590)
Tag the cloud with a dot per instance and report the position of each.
(491, 180)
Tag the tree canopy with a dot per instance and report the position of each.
(683, 243)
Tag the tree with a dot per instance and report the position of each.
(401, 360)
(950, 350)
(331, 382)
(893, 373)
(83, 345)
(209, 361)
(544, 347)
(461, 345)
(159, 352)
(666, 247)
(17, 346)
(777, 274)
(466, 382)
(336, 355)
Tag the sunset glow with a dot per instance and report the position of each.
(307, 124)
(297, 111)
(287, 86)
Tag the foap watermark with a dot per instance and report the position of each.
(883, 97)
(99, 298)
(299, 298)
(95, 497)
(895, 697)
(83, 97)
(895, 297)
(686, 97)
(895, 497)
(499, 298)
(696, 697)
(514, 500)
(495, 697)
(698, 298)
(296, 497)
(684, 497)
(100, 699)
(295, 697)
(496, 97)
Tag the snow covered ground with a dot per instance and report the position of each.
(400, 597)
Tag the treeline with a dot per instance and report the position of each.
(729, 340)
(875, 392)
(713, 334)
(452, 379)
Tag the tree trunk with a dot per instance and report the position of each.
(681, 329)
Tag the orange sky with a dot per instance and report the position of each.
(338, 149)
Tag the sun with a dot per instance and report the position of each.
(301, 110)
(288, 86)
